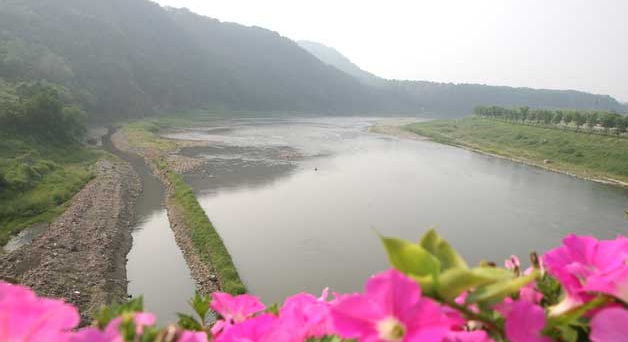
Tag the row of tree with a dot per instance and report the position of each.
(608, 121)
(40, 110)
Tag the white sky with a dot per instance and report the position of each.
(556, 44)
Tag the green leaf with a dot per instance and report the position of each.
(200, 304)
(410, 258)
(568, 334)
(189, 323)
(107, 313)
(442, 250)
(454, 281)
(426, 282)
(498, 291)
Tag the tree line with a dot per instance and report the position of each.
(41, 110)
(606, 121)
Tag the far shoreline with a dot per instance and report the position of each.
(400, 130)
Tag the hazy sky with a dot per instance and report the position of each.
(557, 44)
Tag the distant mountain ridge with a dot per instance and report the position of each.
(331, 56)
(434, 96)
(125, 59)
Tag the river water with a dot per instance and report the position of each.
(298, 202)
(156, 268)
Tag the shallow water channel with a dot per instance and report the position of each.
(298, 201)
(156, 268)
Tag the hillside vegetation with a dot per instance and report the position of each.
(587, 155)
(450, 99)
(42, 163)
(124, 59)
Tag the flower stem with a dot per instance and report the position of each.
(490, 325)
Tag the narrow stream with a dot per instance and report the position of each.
(156, 268)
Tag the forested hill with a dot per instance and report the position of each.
(458, 99)
(131, 58)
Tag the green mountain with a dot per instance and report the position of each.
(131, 58)
(458, 99)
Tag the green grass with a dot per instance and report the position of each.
(206, 241)
(587, 155)
(37, 180)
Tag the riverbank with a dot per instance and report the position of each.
(81, 257)
(203, 249)
(602, 159)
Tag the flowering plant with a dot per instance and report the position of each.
(576, 292)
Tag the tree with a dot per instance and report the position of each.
(568, 118)
(579, 119)
(592, 119)
(524, 113)
(621, 124)
(558, 117)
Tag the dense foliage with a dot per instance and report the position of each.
(573, 293)
(608, 121)
(40, 110)
(42, 163)
(131, 58)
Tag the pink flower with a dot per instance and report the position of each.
(513, 263)
(468, 336)
(610, 325)
(193, 336)
(524, 321)
(91, 334)
(256, 329)
(310, 315)
(390, 310)
(233, 309)
(25, 317)
(112, 331)
(583, 264)
(140, 319)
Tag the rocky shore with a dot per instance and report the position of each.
(81, 257)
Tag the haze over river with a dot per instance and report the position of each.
(298, 201)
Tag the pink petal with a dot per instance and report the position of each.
(236, 308)
(610, 325)
(524, 321)
(255, 329)
(393, 291)
(89, 335)
(193, 336)
(355, 315)
(468, 336)
(426, 322)
(25, 317)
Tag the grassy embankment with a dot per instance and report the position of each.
(603, 158)
(207, 242)
(38, 179)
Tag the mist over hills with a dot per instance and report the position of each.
(456, 99)
(132, 58)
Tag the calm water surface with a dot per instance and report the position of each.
(298, 201)
(156, 268)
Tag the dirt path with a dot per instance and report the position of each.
(82, 256)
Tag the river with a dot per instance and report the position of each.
(298, 202)
(156, 268)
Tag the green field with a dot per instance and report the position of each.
(585, 155)
(38, 179)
